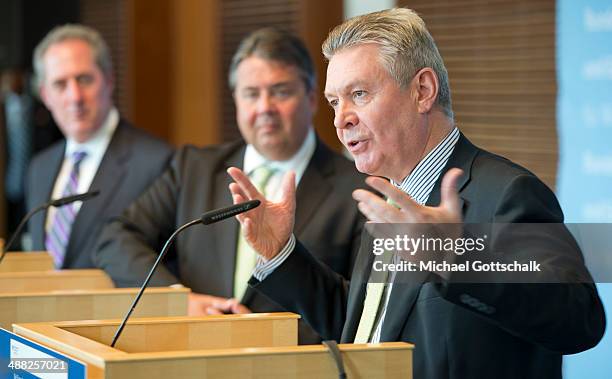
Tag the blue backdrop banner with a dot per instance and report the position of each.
(584, 121)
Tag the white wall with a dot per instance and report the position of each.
(357, 7)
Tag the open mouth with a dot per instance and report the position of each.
(355, 145)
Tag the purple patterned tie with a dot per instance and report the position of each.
(59, 232)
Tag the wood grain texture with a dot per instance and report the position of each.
(30, 261)
(89, 304)
(35, 281)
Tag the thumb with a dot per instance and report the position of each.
(449, 191)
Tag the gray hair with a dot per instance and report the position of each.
(62, 33)
(406, 46)
(275, 45)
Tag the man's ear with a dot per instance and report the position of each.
(42, 92)
(427, 87)
(110, 82)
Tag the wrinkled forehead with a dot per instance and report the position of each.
(255, 71)
(353, 66)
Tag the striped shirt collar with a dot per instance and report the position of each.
(420, 182)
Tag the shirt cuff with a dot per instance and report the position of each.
(265, 267)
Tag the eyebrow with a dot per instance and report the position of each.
(347, 87)
(274, 85)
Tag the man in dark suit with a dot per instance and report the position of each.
(389, 89)
(273, 83)
(101, 151)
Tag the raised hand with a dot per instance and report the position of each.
(268, 227)
(407, 210)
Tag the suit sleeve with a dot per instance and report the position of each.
(33, 199)
(304, 285)
(130, 243)
(563, 311)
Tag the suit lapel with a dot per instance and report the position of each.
(357, 292)
(108, 177)
(227, 231)
(406, 289)
(42, 191)
(462, 157)
(408, 285)
(313, 188)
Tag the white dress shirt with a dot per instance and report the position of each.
(95, 148)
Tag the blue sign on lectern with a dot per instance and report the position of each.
(22, 358)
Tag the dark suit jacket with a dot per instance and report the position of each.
(203, 258)
(461, 330)
(132, 161)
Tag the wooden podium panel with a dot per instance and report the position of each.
(194, 333)
(30, 261)
(37, 281)
(199, 355)
(89, 304)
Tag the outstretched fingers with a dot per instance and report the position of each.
(247, 189)
(397, 196)
(373, 207)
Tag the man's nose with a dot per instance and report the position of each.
(344, 116)
(74, 91)
(265, 103)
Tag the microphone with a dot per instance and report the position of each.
(207, 218)
(213, 216)
(73, 198)
(53, 203)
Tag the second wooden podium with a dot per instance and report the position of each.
(78, 295)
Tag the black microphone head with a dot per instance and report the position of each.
(221, 214)
(72, 198)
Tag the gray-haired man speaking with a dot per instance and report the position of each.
(389, 89)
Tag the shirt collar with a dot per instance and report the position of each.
(99, 140)
(420, 182)
(253, 159)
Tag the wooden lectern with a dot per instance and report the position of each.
(79, 295)
(30, 261)
(36, 281)
(92, 304)
(228, 346)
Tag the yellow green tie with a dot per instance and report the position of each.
(371, 304)
(246, 257)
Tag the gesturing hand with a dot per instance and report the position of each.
(268, 227)
(408, 210)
